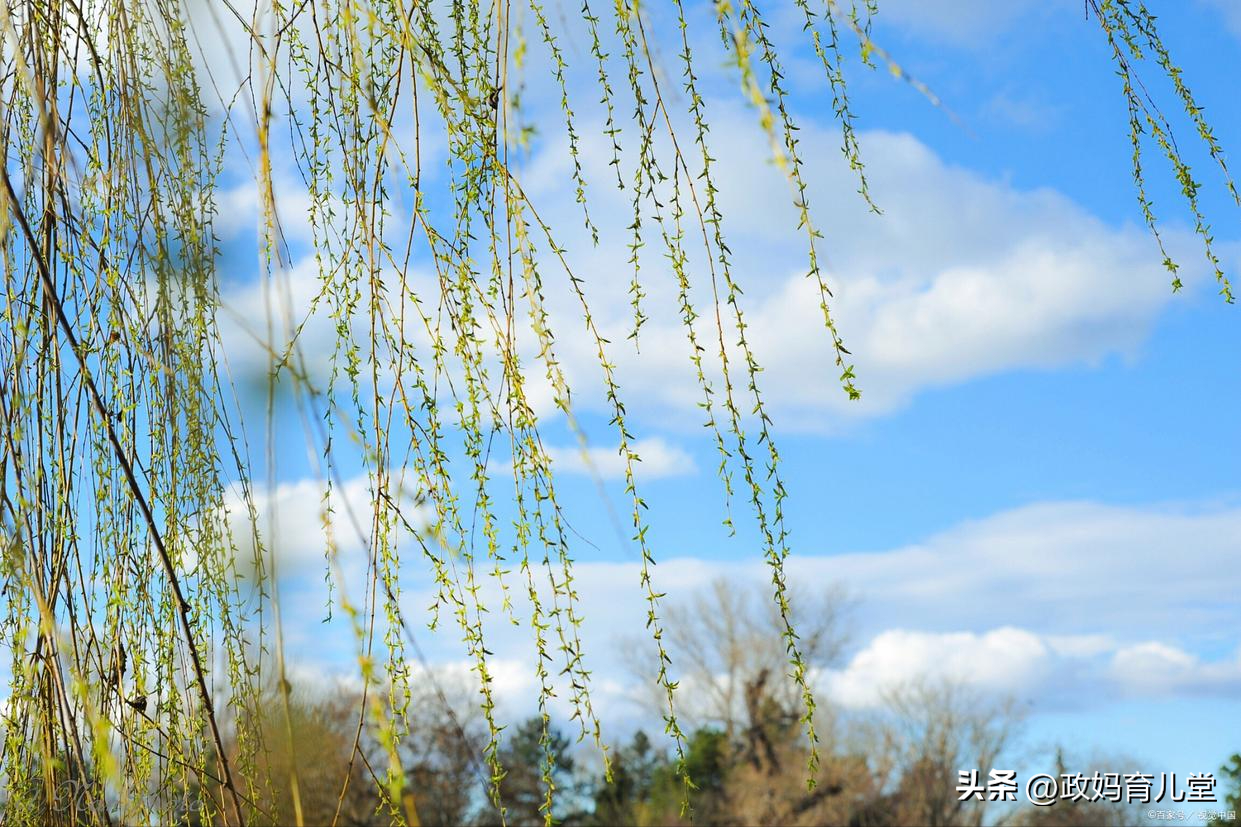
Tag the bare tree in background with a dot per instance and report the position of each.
(311, 738)
(734, 669)
(897, 766)
(340, 767)
(926, 733)
(442, 754)
(1083, 812)
(727, 646)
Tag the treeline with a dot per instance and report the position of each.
(898, 768)
(323, 753)
(745, 753)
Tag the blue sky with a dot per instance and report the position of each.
(1037, 495)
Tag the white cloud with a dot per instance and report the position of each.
(1003, 660)
(1157, 668)
(1058, 603)
(513, 680)
(1078, 646)
(251, 346)
(1019, 663)
(291, 315)
(1153, 665)
(298, 520)
(1064, 568)
(658, 458)
(239, 209)
(962, 277)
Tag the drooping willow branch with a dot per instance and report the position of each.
(449, 294)
(1130, 30)
(106, 417)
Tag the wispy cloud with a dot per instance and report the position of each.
(962, 22)
(1229, 10)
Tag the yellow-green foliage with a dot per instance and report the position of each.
(137, 648)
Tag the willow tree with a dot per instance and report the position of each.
(137, 652)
